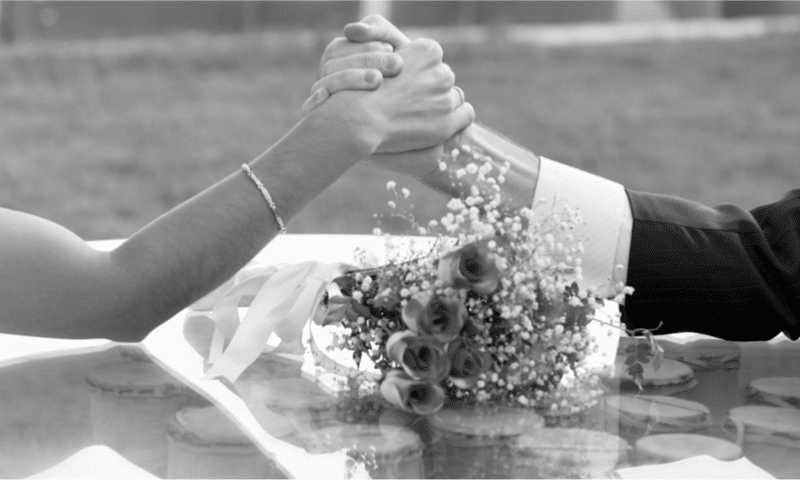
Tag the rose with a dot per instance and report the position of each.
(421, 357)
(471, 266)
(467, 362)
(441, 317)
(411, 395)
(334, 311)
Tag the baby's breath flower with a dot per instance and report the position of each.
(455, 205)
(537, 257)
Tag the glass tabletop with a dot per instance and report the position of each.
(151, 404)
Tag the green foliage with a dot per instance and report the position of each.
(103, 137)
(639, 353)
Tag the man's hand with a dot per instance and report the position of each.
(419, 108)
(370, 34)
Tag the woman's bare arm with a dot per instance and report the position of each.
(52, 283)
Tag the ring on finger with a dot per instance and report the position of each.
(461, 96)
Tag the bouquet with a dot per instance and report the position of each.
(493, 314)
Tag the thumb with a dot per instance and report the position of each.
(375, 28)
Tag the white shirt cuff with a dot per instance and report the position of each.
(606, 212)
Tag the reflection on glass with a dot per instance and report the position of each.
(204, 443)
(130, 404)
(744, 404)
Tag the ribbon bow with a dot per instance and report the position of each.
(281, 300)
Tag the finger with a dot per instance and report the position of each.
(389, 64)
(457, 97)
(342, 47)
(375, 27)
(316, 99)
(350, 79)
(461, 118)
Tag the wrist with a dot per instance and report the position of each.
(341, 120)
(520, 178)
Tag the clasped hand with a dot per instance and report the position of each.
(399, 90)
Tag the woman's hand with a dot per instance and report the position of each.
(419, 108)
(352, 66)
(359, 61)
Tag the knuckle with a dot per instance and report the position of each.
(444, 76)
(374, 46)
(374, 60)
(431, 47)
(470, 111)
(354, 77)
(331, 47)
(325, 69)
(455, 100)
(448, 76)
(317, 85)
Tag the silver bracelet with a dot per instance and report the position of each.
(266, 196)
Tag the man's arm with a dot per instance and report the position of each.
(529, 178)
(722, 271)
(54, 284)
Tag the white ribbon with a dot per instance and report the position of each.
(283, 300)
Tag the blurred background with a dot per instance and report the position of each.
(113, 112)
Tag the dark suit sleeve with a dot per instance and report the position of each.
(722, 271)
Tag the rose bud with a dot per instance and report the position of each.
(335, 309)
(422, 358)
(442, 318)
(420, 397)
(471, 266)
(467, 362)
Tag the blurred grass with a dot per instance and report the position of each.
(103, 137)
